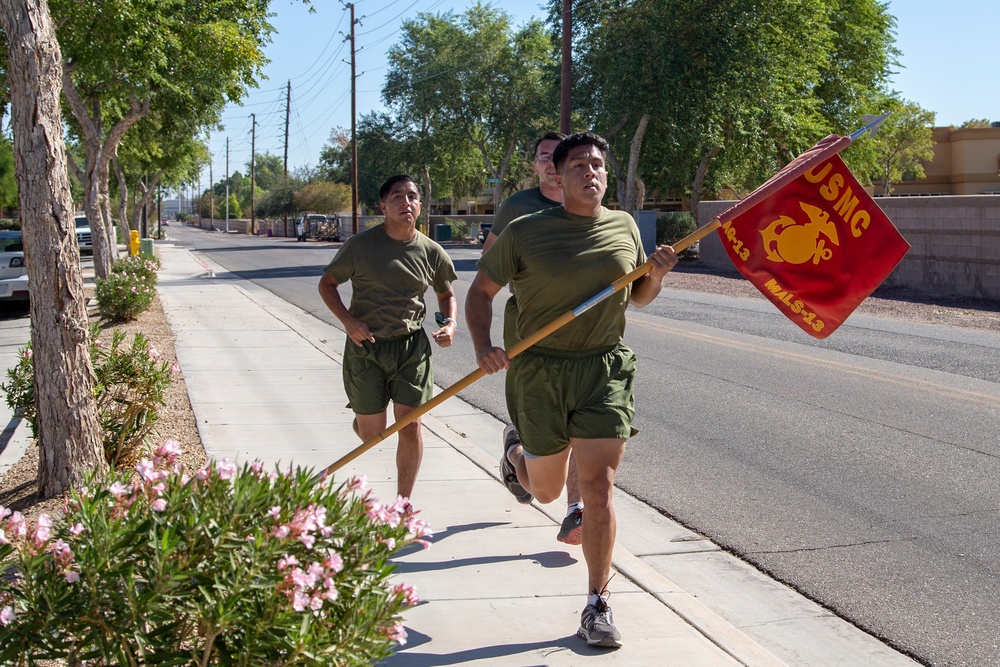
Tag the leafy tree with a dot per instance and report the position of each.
(123, 59)
(976, 123)
(269, 170)
(701, 94)
(470, 80)
(335, 157)
(904, 143)
(323, 197)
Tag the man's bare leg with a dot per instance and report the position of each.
(409, 449)
(571, 530)
(409, 452)
(597, 461)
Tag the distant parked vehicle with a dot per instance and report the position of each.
(84, 238)
(13, 270)
(484, 231)
(317, 226)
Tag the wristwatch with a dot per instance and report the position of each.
(442, 320)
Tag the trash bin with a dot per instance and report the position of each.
(442, 232)
(146, 247)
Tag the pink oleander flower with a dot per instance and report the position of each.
(77, 530)
(275, 512)
(5, 512)
(287, 561)
(226, 469)
(6, 615)
(43, 529)
(389, 542)
(72, 576)
(159, 505)
(281, 532)
(118, 490)
(202, 474)
(334, 563)
(174, 368)
(300, 601)
(146, 470)
(397, 633)
(168, 451)
(3, 537)
(409, 594)
(357, 483)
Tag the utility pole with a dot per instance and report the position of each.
(566, 88)
(354, 128)
(211, 200)
(288, 107)
(253, 170)
(227, 185)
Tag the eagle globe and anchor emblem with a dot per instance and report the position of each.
(788, 240)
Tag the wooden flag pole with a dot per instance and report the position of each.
(517, 349)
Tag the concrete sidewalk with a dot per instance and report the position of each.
(264, 379)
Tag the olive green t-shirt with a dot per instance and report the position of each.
(555, 261)
(389, 278)
(523, 202)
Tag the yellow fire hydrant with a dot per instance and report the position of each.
(133, 242)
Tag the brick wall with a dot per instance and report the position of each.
(955, 243)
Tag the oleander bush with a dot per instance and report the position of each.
(129, 289)
(130, 384)
(219, 566)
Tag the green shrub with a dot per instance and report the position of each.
(459, 227)
(222, 566)
(129, 387)
(672, 227)
(129, 290)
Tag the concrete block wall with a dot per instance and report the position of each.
(955, 243)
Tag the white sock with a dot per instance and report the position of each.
(592, 599)
(572, 507)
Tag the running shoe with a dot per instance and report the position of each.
(597, 625)
(571, 530)
(510, 440)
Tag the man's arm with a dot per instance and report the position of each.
(479, 318)
(356, 330)
(448, 306)
(490, 238)
(647, 288)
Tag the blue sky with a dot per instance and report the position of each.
(947, 67)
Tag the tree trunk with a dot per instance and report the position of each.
(427, 196)
(68, 429)
(633, 199)
(699, 180)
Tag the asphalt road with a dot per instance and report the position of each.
(861, 470)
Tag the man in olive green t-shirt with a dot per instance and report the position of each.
(547, 194)
(573, 391)
(387, 355)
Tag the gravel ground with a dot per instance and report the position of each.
(18, 488)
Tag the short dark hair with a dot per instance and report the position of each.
(578, 139)
(383, 191)
(548, 136)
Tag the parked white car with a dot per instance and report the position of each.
(13, 270)
(84, 239)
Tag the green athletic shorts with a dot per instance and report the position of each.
(398, 369)
(555, 395)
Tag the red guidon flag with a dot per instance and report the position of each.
(812, 240)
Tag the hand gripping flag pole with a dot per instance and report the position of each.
(517, 349)
(817, 155)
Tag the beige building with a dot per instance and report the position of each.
(966, 162)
